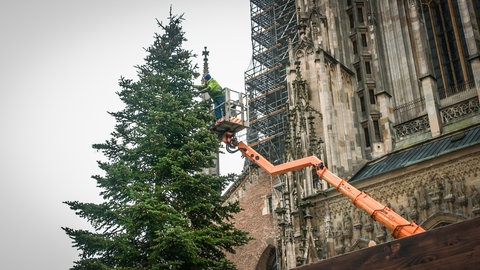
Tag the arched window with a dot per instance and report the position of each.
(441, 219)
(268, 259)
(447, 46)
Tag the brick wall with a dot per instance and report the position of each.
(252, 192)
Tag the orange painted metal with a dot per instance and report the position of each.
(399, 226)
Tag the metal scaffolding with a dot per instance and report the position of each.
(273, 25)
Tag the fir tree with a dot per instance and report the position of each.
(159, 210)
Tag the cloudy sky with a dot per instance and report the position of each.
(60, 61)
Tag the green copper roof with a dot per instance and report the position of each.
(419, 153)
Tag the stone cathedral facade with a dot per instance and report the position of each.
(386, 93)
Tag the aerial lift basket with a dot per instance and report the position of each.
(236, 114)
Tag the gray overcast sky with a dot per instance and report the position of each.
(60, 61)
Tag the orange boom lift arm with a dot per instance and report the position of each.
(399, 226)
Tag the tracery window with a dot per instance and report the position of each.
(476, 10)
(368, 68)
(371, 94)
(447, 45)
(367, 136)
(351, 20)
(354, 44)
(360, 15)
(364, 40)
(376, 128)
(362, 101)
(359, 72)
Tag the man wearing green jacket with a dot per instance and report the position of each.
(216, 93)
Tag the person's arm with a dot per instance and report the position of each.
(202, 88)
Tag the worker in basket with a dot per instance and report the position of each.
(216, 93)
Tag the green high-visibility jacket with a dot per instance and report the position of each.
(213, 88)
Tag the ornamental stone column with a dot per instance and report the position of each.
(427, 80)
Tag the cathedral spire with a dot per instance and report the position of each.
(205, 54)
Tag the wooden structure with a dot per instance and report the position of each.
(455, 246)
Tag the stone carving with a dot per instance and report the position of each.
(436, 194)
(413, 212)
(328, 226)
(475, 201)
(357, 216)
(416, 196)
(402, 211)
(347, 226)
(319, 244)
(338, 234)
(462, 109)
(305, 44)
(462, 199)
(411, 127)
(423, 197)
(449, 193)
(413, 4)
(380, 233)
(295, 199)
(423, 183)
